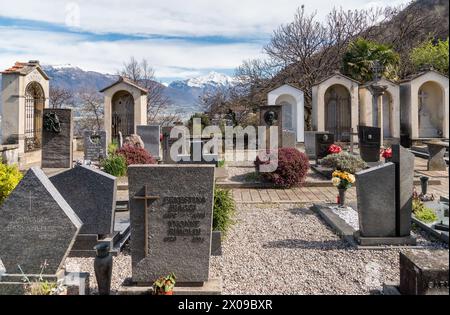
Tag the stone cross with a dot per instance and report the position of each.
(377, 69)
(146, 198)
(422, 97)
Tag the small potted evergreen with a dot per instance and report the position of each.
(164, 285)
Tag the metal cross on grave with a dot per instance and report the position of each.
(147, 199)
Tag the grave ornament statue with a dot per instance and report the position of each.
(52, 123)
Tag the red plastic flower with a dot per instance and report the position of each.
(334, 149)
(387, 154)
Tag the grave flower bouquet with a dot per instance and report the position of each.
(334, 149)
(387, 154)
(165, 285)
(343, 180)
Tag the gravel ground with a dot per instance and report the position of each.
(284, 249)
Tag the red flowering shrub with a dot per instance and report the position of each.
(334, 149)
(135, 155)
(293, 167)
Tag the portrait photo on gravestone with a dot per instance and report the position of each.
(235, 155)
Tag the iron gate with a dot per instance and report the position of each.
(338, 116)
(123, 115)
(34, 104)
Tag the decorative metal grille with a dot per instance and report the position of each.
(122, 115)
(338, 116)
(34, 105)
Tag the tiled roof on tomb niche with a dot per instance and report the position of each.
(126, 81)
(24, 68)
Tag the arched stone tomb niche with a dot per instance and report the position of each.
(385, 115)
(292, 101)
(425, 105)
(24, 95)
(335, 105)
(125, 108)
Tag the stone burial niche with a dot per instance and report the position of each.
(125, 108)
(292, 102)
(335, 105)
(425, 106)
(24, 96)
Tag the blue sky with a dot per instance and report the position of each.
(179, 38)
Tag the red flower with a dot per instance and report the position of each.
(334, 149)
(387, 154)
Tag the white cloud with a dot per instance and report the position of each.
(175, 17)
(170, 58)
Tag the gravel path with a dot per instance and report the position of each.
(283, 249)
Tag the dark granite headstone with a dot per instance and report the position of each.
(323, 142)
(151, 136)
(57, 135)
(436, 161)
(424, 272)
(375, 189)
(171, 221)
(95, 146)
(404, 183)
(369, 143)
(92, 195)
(37, 225)
(271, 117)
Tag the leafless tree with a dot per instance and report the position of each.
(157, 102)
(92, 110)
(60, 97)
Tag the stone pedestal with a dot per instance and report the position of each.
(424, 272)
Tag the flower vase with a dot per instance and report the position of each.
(103, 268)
(342, 197)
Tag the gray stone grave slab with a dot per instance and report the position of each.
(95, 146)
(375, 189)
(92, 195)
(57, 136)
(310, 144)
(171, 221)
(369, 143)
(37, 225)
(404, 183)
(424, 272)
(151, 135)
(437, 150)
(289, 139)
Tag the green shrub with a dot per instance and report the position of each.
(423, 213)
(431, 54)
(10, 176)
(113, 147)
(224, 209)
(115, 165)
(344, 162)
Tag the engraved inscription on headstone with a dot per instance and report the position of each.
(171, 223)
(95, 147)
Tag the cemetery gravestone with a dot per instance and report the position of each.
(310, 144)
(404, 187)
(437, 150)
(95, 147)
(369, 143)
(289, 139)
(171, 223)
(271, 117)
(424, 272)
(37, 225)
(151, 136)
(323, 143)
(57, 138)
(92, 195)
(375, 189)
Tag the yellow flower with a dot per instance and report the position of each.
(351, 178)
(336, 181)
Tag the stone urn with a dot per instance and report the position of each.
(103, 268)
(341, 199)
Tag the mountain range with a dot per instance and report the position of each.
(183, 94)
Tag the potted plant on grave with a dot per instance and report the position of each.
(387, 154)
(343, 181)
(164, 285)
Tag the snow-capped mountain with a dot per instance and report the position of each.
(212, 79)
